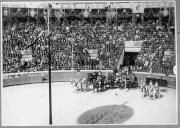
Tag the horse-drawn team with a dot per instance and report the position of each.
(102, 81)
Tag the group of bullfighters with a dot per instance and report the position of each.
(150, 89)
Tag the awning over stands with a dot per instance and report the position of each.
(91, 4)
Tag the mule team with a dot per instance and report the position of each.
(103, 81)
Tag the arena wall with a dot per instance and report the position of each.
(12, 79)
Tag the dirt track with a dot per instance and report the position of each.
(28, 105)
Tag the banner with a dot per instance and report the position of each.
(111, 15)
(168, 53)
(93, 53)
(26, 55)
(138, 8)
(133, 46)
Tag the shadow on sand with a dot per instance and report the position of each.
(163, 90)
(110, 114)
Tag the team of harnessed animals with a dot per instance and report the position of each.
(102, 82)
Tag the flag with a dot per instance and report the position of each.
(59, 14)
(110, 14)
(40, 34)
(47, 13)
(87, 11)
(138, 8)
(107, 7)
(156, 52)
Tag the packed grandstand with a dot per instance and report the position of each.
(118, 55)
(75, 35)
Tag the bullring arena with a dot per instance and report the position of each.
(27, 104)
(103, 62)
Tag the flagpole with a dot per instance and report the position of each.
(116, 19)
(72, 54)
(49, 45)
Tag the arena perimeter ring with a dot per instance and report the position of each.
(74, 108)
(12, 79)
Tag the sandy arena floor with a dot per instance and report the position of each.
(27, 105)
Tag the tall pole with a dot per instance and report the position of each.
(9, 17)
(37, 13)
(72, 55)
(49, 46)
(169, 20)
(142, 18)
(160, 18)
(28, 16)
(116, 19)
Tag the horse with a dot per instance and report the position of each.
(74, 81)
(119, 81)
(109, 81)
(84, 84)
(81, 83)
(77, 83)
(91, 78)
(99, 83)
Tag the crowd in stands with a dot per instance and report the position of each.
(157, 41)
(71, 41)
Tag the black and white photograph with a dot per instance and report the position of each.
(85, 63)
